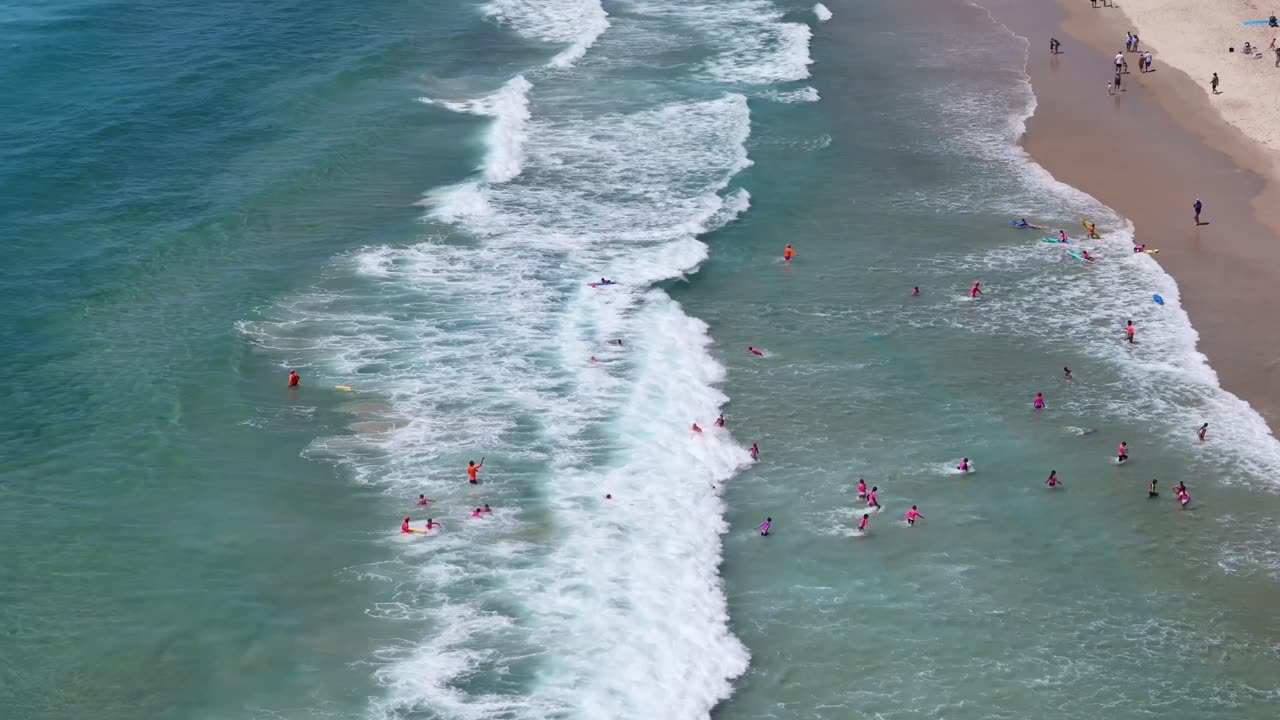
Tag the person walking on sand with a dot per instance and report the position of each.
(1128, 41)
(1135, 42)
(1117, 81)
(1146, 59)
(1119, 61)
(1110, 89)
(1198, 207)
(1213, 84)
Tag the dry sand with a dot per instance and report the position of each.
(1194, 36)
(1149, 152)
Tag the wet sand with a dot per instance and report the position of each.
(1132, 153)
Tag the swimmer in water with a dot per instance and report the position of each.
(764, 526)
(788, 253)
(1184, 499)
(1066, 373)
(754, 351)
(1139, 248)
(911, 515)
(294, 378)
(915, 291)
(862, 524)
(1053, 480)
(695, 428)
(486, 508)
(475, 513)
(472, 469)
(755, 452)
(423, 500)
(1122, 452)
(1129, 329)
(1038, 403)
(871, 498)
(975, 291)
(964, 465)
(618, 342)
(1151, 490)
(1062, 236)
(862, 489)
(1093, 231)
(431, 525)
(1085, 254)
(608, 496)
(1201, 432)
(720, 420)
(404, 526)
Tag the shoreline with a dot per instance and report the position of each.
(1149, 152)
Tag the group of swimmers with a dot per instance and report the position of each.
(473, 478)
(1038, 403)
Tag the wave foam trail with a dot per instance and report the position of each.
(822, 12)
(509, 107)
(577, 23)
(483, 347)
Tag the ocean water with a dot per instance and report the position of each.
(413, 200)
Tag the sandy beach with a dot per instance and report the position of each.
(1196, 37)
(1149, 152)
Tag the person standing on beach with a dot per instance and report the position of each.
(1135, 42)
(1198, 207)
(1142, 63)
(1128, 41)
(1214, 83)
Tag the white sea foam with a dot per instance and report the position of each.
(482, 347)
(752, 43)
(802, 95)
(576, 23)
(509, 107)
(822, 12)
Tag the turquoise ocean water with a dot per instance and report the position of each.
(410, 199)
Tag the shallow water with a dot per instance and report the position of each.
(412, 200)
